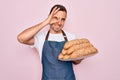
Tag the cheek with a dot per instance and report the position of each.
(62, 23)
(57, 24)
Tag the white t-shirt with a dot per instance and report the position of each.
(40, 38)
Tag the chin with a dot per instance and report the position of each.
(57, 30)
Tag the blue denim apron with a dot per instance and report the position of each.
(54, 69)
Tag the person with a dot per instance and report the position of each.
(50, 44)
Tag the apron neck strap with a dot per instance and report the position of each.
(64, 35)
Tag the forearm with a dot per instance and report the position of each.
(31, 32)
(27, 35)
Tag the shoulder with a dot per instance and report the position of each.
(39, 38)
(69, 35)
(40, 35)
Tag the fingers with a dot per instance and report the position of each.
(55, 10)
(50, 19)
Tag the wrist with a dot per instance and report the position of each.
(46, 22)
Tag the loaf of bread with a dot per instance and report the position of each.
(75, 42)
(77, 48)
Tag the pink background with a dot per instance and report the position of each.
(97, 20)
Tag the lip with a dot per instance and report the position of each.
(57, 26)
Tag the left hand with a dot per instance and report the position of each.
(77, 61)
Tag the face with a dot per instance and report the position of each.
(59, 20)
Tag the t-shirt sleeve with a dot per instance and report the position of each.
(38, 42)
(70, 36)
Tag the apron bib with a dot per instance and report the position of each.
(54, 69)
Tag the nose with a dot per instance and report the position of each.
(59, 22)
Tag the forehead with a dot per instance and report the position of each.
(61, 14)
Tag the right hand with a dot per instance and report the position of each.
(50, 19)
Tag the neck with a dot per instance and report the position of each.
(55, 32)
